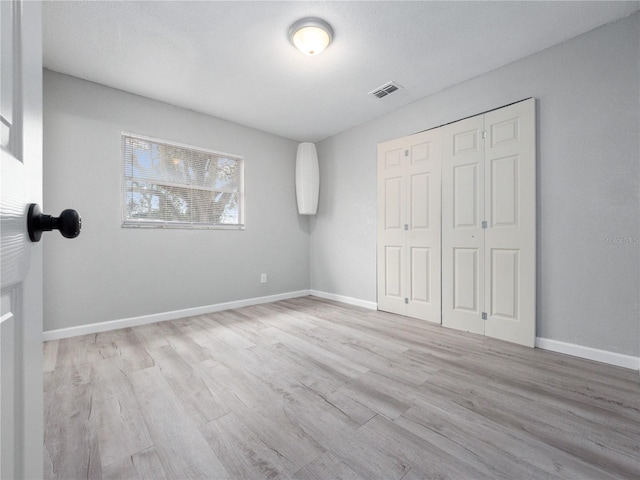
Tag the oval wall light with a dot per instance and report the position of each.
(311, 35)
(307, 179)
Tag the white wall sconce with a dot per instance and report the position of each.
(311, 35)
(307, 179)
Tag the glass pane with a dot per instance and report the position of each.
(149, 201)
(146, 161)
(166, 183)
(203, 170)
(228, 207)
(227, 173)
(203, 207)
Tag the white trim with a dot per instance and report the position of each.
(343, 299)
(604, 356)
(160, 317)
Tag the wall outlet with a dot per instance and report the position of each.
(263, 278)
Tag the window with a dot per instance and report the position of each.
(172, 185)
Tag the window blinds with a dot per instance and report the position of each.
(172, 185)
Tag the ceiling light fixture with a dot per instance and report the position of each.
(311, 35)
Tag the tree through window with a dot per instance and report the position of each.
(172, 185)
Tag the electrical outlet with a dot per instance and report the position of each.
(263, 278)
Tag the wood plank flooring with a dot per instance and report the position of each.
(313, 389)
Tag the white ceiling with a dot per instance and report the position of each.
(233, 60)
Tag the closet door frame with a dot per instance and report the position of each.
(480, 186)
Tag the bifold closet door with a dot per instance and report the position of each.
(391, 248)
(510, 236)
(409, 213)
(462, 234)
(488, 224)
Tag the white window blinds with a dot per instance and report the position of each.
(171, 185)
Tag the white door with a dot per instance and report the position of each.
(409, 226)
(392, 199)
(21, 415)
(423, 225)
(489, 219)
(510, 236)
(462, 216)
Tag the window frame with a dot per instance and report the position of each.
(163, 224)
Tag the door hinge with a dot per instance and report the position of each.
(484, 315)
(484, 224)
(406, 300)
(406, 153)
(484, 134)
(406, 226)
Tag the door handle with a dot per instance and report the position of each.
(69, 223)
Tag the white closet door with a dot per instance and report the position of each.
(489, 177)
(510, 237)
(462, 216)
(391, 248)
(409, 212)
(423, 234)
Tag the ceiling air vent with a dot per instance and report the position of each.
(386, 89)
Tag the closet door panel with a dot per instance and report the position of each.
(419, 269)
(466, 206)
(504, 184)
(463, 200)
(393, 203)
(505, 275)
(510, 183)
(419, 201)
(466, 281)
(393, 257)
(423, 234)
(391, 219)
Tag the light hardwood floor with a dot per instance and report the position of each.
(313, 389)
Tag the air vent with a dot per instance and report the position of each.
(386, 89)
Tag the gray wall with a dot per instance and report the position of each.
(110, 273)
(588, 184)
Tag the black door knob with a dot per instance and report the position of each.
(69, 223)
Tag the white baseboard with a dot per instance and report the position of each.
(159, 317)
(343, 299)
(603, 356)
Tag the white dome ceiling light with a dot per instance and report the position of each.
(311, 35)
